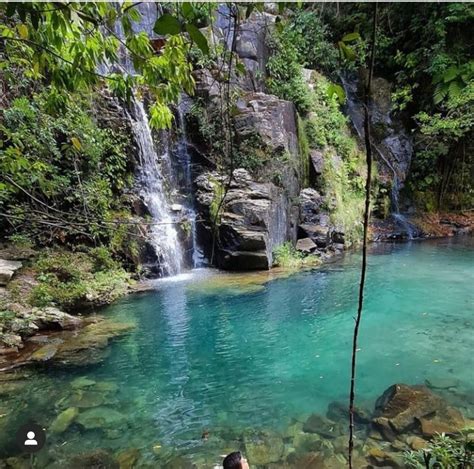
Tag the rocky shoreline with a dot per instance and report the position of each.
(405, 422)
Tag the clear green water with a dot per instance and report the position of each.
(215, 359)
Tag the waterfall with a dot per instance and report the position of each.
(164, 236)
(184, 159)
(395, 150)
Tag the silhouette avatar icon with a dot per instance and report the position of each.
(31, 439)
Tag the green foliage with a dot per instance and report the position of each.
(64, 159)
(443, 452)
(313, 42)
(63, 45)
(287, 257)
(285, 78)
(71, 280)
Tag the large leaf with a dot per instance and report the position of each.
(337, 90)
(198, 38)
(167, 24)
(351, 37)
(450, 74)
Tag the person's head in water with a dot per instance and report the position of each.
(235, 461)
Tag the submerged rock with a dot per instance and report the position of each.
(323, 426)
(82, 382)
(98, 458)
(262, 448)
(128, 458)
(62, 422)
(101, 418)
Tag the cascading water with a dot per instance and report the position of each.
(395, 150)
(164, 235)
(156, 171)
(184, 159)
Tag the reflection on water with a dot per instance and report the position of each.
(212, 356)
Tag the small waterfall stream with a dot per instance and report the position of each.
(164, 235)
(184, 158)
(395, 150)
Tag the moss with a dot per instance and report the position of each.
(216, 205)
(71, 280)
(303, 144)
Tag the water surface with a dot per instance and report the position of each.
(210, 359)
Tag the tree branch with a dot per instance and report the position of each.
(368, 149)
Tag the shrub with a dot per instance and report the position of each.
(443, 452)
(288, 257)
(285, 71)
(70, 280)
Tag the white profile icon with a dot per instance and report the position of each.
(31, 439)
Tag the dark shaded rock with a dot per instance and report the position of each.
(310, 206)
(401, 405)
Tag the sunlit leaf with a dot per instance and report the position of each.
(23, 31)
(351, 37)
(76, 143)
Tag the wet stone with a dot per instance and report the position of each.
(101, 418)
(262, 448)
(323, 426)
(82, 382)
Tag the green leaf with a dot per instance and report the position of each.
(240, 68)
(351, 37)
(187, 10)
(76, 143)
(337, 90)
(450, 74)
(347, 52)
(167, 24)
(198, 38)
(23, 31)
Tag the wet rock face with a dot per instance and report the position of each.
(254, 219)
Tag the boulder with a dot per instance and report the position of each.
(306, 245)
(448, 420)
(416, 443)
(255, 218)
(7, 270)
(400, 406)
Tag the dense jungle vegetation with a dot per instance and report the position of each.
(67, 171)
